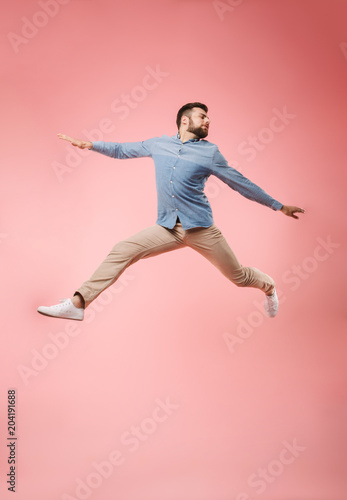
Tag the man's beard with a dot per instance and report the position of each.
(198, 131)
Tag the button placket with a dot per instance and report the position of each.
(171, 181)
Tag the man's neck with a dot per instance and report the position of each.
(185, 135)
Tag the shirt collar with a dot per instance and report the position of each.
(189, 140)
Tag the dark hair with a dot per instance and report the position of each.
(187, 111)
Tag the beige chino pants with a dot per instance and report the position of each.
(154, 240)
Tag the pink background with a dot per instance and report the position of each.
(243, 388)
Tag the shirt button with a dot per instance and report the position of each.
(171, 182)
(173, 167)
(173, 196)
(176, 209)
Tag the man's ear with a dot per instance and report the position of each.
(184, 120)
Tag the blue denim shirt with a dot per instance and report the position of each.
(181, 171)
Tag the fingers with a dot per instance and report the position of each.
(290, 210)
(65, 137)
(74, 142)
(295, 210)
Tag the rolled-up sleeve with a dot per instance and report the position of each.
(240, 183)
(125, 150)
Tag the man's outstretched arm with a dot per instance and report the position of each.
(118, 150)
(237, 181)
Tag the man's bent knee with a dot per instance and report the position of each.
(240, 278)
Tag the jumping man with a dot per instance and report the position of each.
(183, 163)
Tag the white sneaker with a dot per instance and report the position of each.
(271, 304)
(65, 310)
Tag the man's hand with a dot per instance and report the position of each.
(290, 211)
(76, 142)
